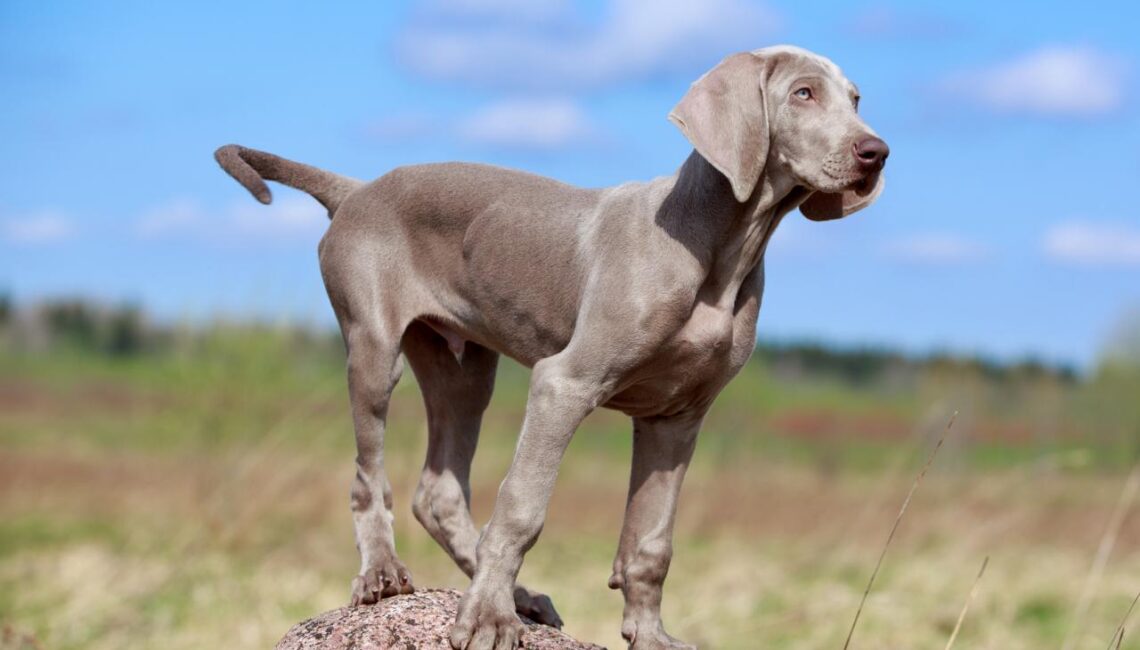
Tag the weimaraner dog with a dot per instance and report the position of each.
(641, 298)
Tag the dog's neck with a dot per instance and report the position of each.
(727, 237)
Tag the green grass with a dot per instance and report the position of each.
(213, 390)
(198, 498)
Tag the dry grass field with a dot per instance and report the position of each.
(200, 499)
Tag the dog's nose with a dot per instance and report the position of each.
(871, 153)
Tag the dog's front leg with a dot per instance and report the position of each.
(559, 399)
(662, 448)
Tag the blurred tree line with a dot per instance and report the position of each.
(79, 325)
(863, 365)
(1113, 388)
(83, 326)
(125, 330)
(1029, 402)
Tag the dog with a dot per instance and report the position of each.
(641, 297)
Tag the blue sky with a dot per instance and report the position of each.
(1009, 224)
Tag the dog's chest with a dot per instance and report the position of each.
(689, 369)
(707, 336)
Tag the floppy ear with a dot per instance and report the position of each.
(824, 206)
(724, 117)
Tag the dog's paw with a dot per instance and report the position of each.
(651, 637)
(486, 623)
(537, 607)
(389, 579)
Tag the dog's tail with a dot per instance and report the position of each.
(252, 168)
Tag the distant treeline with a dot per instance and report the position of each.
(81, 325)
(125, 330)
(860, 364)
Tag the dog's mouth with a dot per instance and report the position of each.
(863, 186)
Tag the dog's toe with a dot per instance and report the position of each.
(536, 606)
(389, 579)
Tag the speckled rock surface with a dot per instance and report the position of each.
(418, 621)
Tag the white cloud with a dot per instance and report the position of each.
(635, 39)
(935, 249)
(1087, 243)
(40, 228)
(1060, 81)
(287, 216)
(513, 123)
(528, 123)
(292, 216)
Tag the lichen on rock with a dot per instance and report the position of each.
(418, 621)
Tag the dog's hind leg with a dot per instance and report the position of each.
(374, 367)
(372, 339)
(455, 395)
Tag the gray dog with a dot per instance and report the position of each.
(641, 298)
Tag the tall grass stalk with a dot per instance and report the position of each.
(1118, 636)
(966, 606)
(1107, 543)
(895, 527)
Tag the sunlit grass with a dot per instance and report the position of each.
(199, 498)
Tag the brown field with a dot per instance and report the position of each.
(193, 507)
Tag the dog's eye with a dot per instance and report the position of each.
(803, 93)
(855, 101)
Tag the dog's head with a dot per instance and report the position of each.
(784, 110)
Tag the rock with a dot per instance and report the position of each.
(419, 621)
